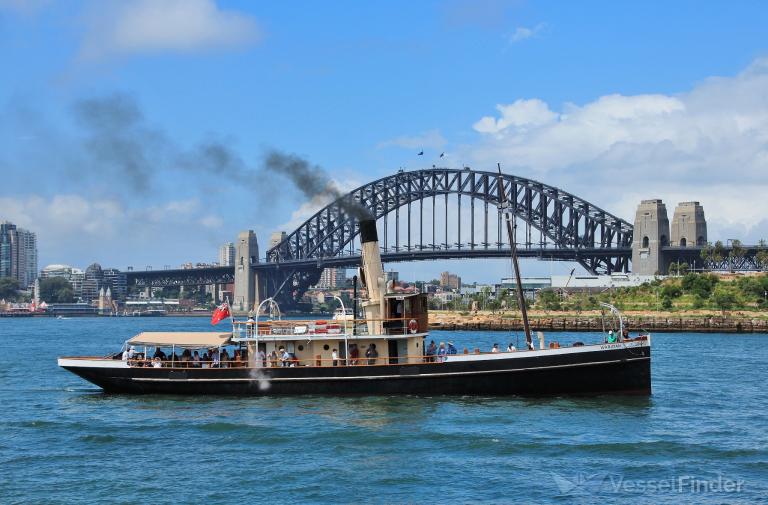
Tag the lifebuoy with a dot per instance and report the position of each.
(413, 326)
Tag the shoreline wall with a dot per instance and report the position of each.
(635, 324)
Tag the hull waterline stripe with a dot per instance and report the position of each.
(381, 377)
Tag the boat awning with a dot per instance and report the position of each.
(188, 339)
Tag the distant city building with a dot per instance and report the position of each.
(94, 280)
(18, 254)
(450, 281)
(332, 278)
(116, 282)
(74, 276)
(227, 255)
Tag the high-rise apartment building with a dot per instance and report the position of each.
(18, 254)
(332, 278)
(227, 255)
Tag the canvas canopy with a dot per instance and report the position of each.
(191, 340)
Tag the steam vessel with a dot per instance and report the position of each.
(279, 357)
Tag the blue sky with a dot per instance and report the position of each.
(609, 100)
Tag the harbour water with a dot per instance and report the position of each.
(702, 437)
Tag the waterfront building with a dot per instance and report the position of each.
(227, 255)
(117, 282)
(18, 254)
(75, 276)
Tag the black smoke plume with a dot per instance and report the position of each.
(118, 140)
(312, 181)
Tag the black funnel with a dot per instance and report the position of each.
(368, 231)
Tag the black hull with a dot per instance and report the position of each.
(614, 371)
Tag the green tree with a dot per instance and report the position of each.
(699, 284)
(671, 291)
(724, 298)
(549, 300)
(56, 290)
(9, 288)
(666, 303)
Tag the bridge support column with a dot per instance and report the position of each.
(651, 233)
(246, 254)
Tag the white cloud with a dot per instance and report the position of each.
(429, 139)
(143, 26)
(708, 144)
(521, 32)
(310, 208)
(212, 221)
(76, 230)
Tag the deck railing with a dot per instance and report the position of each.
(322, 328)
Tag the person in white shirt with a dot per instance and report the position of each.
(335, 357)
(126, 354)
(511, 348)
(495, 348)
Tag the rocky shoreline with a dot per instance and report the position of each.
(593, 322)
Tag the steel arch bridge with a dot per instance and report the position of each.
(568, 227)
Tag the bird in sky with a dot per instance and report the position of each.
(421, 153)
(442, 154)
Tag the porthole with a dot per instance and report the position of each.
(325, 347)
(301, 347)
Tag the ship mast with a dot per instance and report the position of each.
(506, 210)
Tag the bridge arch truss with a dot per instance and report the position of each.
(568, 227)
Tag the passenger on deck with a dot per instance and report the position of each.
(206, 360)
(159, 354)
(495, 348)
(354, 354)
(215, 358)
(156, 362)
(273, 359)
(238, 360)
(261, 356)
(511, 348)
(225, 361)
(611, 337)
(125, 354)
(249, 326)
(372, 354)
(625, 334)
(196, 363)
(431, 351)
(452, 349)
(335, 357)
(186, 357)
(441, 352)
(285, 357)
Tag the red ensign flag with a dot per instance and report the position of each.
(221, 312)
